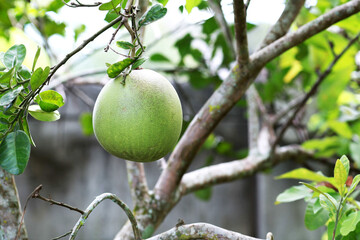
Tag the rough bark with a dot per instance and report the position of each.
(10, 209)
(201, 231)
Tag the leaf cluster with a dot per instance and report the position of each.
(135, 48)
(19, 88)
(330, 200)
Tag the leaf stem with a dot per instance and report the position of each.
(337, 217)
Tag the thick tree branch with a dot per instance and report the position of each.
(137, 182)
(231, 90)
(242, 51)
(261, 57)
(230, 171)
(202, 231)
(253, 119)
(282, 26)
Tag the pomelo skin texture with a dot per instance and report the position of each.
(140, 120)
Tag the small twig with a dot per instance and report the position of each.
(121, 54)
(95, 203)
(312, 91)
(36, 194)
(247, 4)
(331, 46)
(113, 36)
(220, 18)
(37, 189)
(294, 103)
(64, 235)
(133, 23)
(79, 4)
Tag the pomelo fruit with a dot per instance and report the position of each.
(139, 119)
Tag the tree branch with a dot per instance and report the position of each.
(231, 90)
(203, 231)
(263, 56)
(79, 48)
(242, 51)
(36, 194)
(95, 203)
(137, 182)
(279, 29)
(282, 25)
(220, 19)
(313, 90)
(230, 171)
(253, 119)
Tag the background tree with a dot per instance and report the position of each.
(309, 54)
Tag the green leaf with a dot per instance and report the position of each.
(158, 57)
(10, 96)
(111, 15)
(109, 5)
(138, 63)
(326, 195)
(50, 100)
(52, 27)
(5, 79)
(340, 176)
(115, 69)
(86, 124)
(315, 220)
(209, 26)
(15, 56)
(139, 51)
(163, 2)
(204, 194)
(190, 4)
(36, 112)
(156, 12)
(15, 152)
(341, 128)
(184, 45)
(24, 72)
(353, 185)
(123, 5)
(124, 45)
(39, 77)
(79, 30)
(349, 223)
(37, 54)
(328, 204)
(292, 194)
(305, 174)
(345, 161)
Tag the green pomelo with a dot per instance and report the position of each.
(140, 120)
